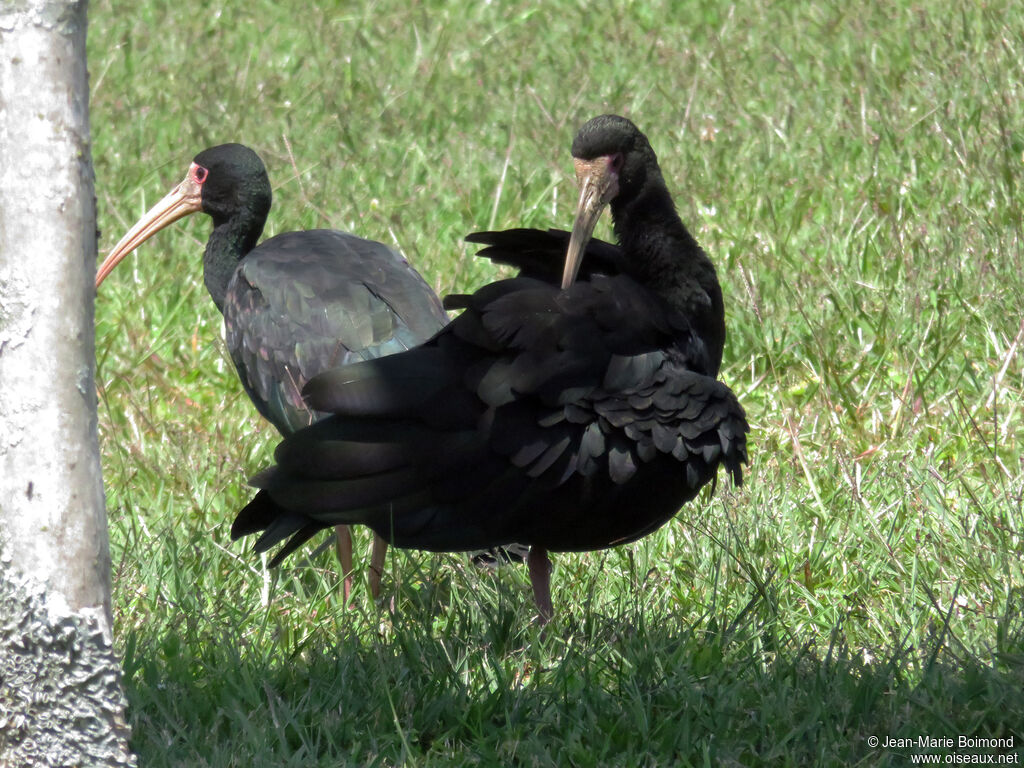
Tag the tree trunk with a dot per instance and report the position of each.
(61, 701)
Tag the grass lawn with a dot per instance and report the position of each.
(855, 173)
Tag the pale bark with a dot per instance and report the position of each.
(60, 696)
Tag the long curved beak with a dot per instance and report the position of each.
(184, 199)
(598, 185)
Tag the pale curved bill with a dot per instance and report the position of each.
(598, 184)
(178, 203)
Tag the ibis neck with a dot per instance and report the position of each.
(662, 254)
(665, 257)
(230, 241)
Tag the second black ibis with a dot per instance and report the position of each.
(295, 305)
(561, 413)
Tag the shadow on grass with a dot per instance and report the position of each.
(482, 686)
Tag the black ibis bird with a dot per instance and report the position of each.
(297, 304)
(564, 414)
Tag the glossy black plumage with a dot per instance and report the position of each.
(305, 302)
(565, 419)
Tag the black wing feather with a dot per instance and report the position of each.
(304, 302)
(578, 423)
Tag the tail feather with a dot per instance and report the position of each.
(334, 459)
(296, 541)
(394, 385)
(257, 515)
(345, 501)
(279, 530)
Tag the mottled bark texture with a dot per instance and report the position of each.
(61, 702)
(60, 696)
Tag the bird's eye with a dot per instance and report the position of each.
(616, 162)
(200, 174)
